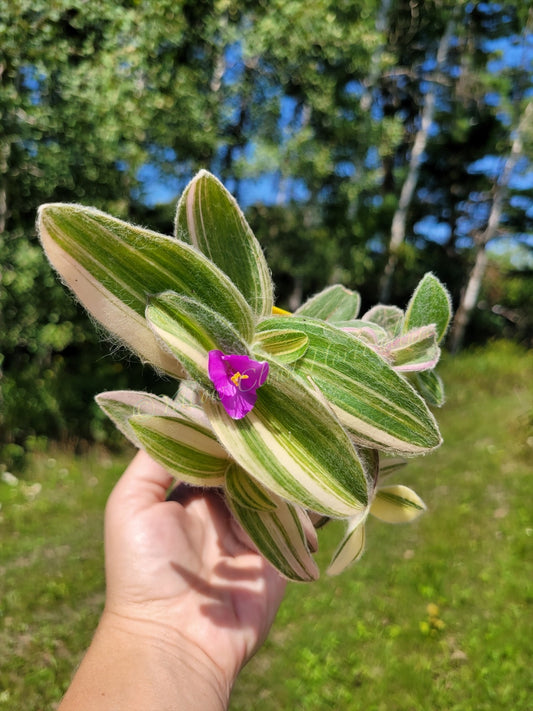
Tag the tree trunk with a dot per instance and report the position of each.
(408, 189)
(471, 292)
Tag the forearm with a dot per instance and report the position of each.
(136, 667)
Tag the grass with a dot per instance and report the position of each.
(437, 615)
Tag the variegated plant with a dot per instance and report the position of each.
(287, 414)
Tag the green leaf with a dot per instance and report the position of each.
(246, 492)
(390, 318)
(335, 303)
(415, 350)
(351, 547)
(184, 448)
(190, 330)
(430, 303)
(397, 504)
(285, 346)
(279, 536)
(120, 405)
(113, 266)
(431, 387)
(209, 218)
(293, 445)
(374, 402)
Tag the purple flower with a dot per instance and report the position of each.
(236, 379)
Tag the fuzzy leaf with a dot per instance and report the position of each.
(190, 330)
(415, 350)
(184, 448)
(335, 303)
(430, 386)
(374, 402)
(430, 303)
(279, 536)
(293, 445)
(246, 492)
(113, 266)
(209, 218)
(285, 346)
(397, 504)
(351, 547)
(120, 405)
(390, 318)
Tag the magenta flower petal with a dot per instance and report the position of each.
(236, 379)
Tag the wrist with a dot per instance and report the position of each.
(138, 665)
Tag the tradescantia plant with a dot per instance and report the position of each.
(295, 417)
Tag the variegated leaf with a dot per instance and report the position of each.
(351, 547)
(390, 318)
(113, 266)
(293, 445)
(190, 330)
(430, 303)
(279, 536)
(186, 450)
(430, 386)
(246, 492)
(397, 504)
(209, 218)
(120, 405)
(374, 402)
(415, 350)
(335, 303)
(285, 346)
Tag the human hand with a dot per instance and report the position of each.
(182, 569)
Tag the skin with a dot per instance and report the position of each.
(188, 600)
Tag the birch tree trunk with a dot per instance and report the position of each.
(408, 189)
(471, 292)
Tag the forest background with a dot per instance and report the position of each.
(368, 142)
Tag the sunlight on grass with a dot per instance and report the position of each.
(436, 615)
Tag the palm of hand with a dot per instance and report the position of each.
(186, 565)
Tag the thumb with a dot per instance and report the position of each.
(144, 483)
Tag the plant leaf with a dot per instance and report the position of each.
(209, 218)
(374, 402)
(415, 350)
(397, 504)
(285, 346)
(430, 303)
(279, 536)
(335, 303)
(190, 330)
(430, 386)
(351, 547)
(113, 266)
(186, 450)
(390, 318)
(293, 445)
(246, 492)
(120, 405)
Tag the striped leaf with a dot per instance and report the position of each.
(209, 218)
(430, 303)
(397, 504)
(390, 318)
(279, 536)
(186, 450)
(293, 445)
(335, 303)
(246, 492)
(415, 350)
(113, 266)
(285, 346)
(430, 386)
(351, 547)
(374, 402)
(190, 330)
(120, 405)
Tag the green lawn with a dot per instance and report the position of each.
(437, 615)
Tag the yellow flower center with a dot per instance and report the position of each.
(237, 377)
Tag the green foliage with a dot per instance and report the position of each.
(434, 617)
